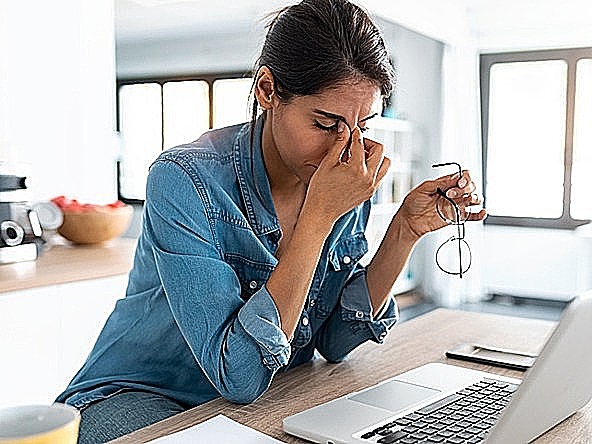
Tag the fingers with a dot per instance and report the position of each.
(456, 187)
(362, 157)
(466, 205)
(470, 199)
(336, 152)
(477, 216)
(374, 155)
(461, 189)
(382, 170)
(357, 152)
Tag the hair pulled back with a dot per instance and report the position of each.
(316, 45)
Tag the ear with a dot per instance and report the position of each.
(265, 88)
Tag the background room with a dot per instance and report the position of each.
(90, 92)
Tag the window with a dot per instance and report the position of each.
(156, 115)
(185, 111)
(140, 126)
(536, 145)
(581, 182)
(231, 104)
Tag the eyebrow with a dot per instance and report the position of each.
(341, 118)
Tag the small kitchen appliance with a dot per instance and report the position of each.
(20, 231)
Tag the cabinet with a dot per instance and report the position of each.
(46, 334)
(51, 312)
(401, 145)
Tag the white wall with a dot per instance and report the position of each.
(444, 99)
(509, 25)
(442, 21)
(189, 54)
(541, 263)
(57, 83)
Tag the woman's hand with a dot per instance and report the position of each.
(346, 177)
(419, 206)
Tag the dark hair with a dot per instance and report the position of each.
(316, 45)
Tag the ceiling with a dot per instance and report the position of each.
(141, 19)
(487, 20)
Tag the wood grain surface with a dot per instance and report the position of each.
(69, 263)
(410, 344)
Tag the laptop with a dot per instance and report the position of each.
(451, 404)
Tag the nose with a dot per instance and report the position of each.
(354, 133)
(351, 132)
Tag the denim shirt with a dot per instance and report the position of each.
(197, 321)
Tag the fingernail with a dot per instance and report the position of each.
(451, 193)
(462, 182)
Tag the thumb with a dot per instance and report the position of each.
(430, 187)
(444, 182)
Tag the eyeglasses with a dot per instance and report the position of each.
(454, 255)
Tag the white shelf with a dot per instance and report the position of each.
(390, 124)
(380, 218)
(400, 146)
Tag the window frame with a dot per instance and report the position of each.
(571, 56)
(209, 78)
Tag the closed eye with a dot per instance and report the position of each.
(326, 128)
(333, 127)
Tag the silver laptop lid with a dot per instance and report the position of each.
(559, 383)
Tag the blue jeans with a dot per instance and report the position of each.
(123, 413)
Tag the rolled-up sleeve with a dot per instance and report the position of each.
(259, 317)
(351, 323)
(238, 343)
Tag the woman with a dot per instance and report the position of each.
(248, 260)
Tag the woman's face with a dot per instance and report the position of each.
(302, 131)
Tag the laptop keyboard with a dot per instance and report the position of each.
(463, 417)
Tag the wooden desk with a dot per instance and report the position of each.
(68, 262)
(409, 345)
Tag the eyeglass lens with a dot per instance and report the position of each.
(454, 256)
(450, 212)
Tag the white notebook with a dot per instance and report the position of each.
(217, 429)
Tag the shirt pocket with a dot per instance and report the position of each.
(251, 274)
(346, 253)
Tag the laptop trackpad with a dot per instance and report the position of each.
(394, 395)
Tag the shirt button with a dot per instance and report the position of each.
(253, 285)
(305, 321)
(346, 259)
(359, 314)
(313, 302)
(382, 335)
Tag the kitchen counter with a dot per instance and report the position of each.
(66, 262)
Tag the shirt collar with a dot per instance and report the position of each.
(253, 180)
